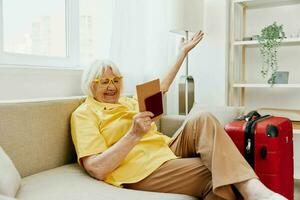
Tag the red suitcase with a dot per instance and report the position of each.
(266, 142)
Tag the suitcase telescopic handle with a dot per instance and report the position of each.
(252, 114)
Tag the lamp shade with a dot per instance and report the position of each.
(185, 15)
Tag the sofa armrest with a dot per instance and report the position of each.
(170, 123)
(224, 114)
(6, 198)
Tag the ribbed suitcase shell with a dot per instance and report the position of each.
(276, 171)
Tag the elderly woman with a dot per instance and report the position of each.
(121, 146)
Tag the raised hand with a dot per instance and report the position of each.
(186, 46)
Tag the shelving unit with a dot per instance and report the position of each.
(236, 71)
(254, 43)
(236, 94)
(260, 85)
(254, 4)
(237, 58)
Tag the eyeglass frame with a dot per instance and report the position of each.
(110, 80)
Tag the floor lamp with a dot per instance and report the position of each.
(186, 16)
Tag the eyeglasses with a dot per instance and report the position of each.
(104, 82)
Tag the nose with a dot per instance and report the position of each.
(111, 86)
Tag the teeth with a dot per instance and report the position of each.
(110, 93)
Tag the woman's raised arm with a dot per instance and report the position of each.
(186, 46)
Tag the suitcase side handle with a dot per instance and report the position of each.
(264, 152)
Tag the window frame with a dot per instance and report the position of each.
(72, 59)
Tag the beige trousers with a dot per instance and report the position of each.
(208, 166)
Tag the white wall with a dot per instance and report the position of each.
(18, 82)
(208, 61)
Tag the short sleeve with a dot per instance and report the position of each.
(85, 132)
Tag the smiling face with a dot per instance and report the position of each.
(107, 87)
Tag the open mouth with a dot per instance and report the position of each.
(111, 93)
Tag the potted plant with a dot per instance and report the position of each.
(269, 40)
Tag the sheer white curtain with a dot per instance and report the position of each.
(141, 45)
(134, 34)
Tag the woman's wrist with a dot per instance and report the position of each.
(133, 136)
(183, 52)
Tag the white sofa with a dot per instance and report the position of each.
(36, 137)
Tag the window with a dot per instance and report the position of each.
(38, 31)
(58, 33)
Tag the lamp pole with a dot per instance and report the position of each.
(186, 88)
(187, 55)
(186, 16)
(186, 74)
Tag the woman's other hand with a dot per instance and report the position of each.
(186, 46)
(141, 123)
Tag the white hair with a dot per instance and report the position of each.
(94, 71)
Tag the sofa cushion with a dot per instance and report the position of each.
(70, 182)
(36, 133)
(6, 198)
(169, 124)
(10, 178)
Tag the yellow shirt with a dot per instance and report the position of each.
(96, 126)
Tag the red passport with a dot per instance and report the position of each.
(150, 98)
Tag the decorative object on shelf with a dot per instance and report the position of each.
(281, 77)
(186, 17)
(295, 35)
(269, 40)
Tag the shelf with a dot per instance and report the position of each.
(285, 42)
(253, 4)
(257, 85)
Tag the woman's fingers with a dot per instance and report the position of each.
(144, 114)
(142, 122)
(197, 39)
(198, 35)
(144, 118)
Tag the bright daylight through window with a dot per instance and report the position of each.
(39, 31)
